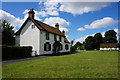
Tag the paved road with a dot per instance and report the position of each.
(33, 58)
(24, 59)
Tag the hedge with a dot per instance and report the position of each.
(15, 52)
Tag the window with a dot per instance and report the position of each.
(47, 46)
(33, 26)
(55, 37)
(66, 47)
(61, 47)
(60, 38)
(47, 35)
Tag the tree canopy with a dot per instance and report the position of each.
(98, 40)
(7, 34)
(93, 42)
(89, 43)
(110, 37)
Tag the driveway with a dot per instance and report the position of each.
(23, 59)
(36, 57)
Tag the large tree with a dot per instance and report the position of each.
(90, 43)
(7, 33)
(98, 40)
(77, 44)
(110, 37)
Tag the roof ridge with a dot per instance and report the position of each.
(46, 24)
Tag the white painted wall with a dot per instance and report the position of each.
(109, 48)
(51, 41)
(17, 40)
(37, 38)
(30, 37)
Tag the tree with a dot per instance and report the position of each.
(77, 44)
(110, 37)
(7, 33)
(98, 40)
(89, 43)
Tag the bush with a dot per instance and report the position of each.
(15, 52)
(82, 47)
(72, 48)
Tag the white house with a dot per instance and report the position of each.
(109, 46)
(43, 38)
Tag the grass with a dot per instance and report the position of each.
(87, 64)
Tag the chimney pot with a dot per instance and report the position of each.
(31, 13)
(63, 31)
(57, 25)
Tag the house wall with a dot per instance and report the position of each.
(30, 37)
(51, 41)
(109, 48)
(17, 40)
(37, 38)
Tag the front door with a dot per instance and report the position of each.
(56, 47)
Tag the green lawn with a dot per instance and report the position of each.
(87, 64)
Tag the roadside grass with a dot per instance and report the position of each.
(87, 64)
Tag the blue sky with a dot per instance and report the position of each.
(71, 20)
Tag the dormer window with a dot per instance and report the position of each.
(33, 26)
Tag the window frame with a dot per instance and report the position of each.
(47, 46)
(66, 47)
(47, 36)
(60, 38)
(33, 26)
(55, 37)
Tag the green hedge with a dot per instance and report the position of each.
(72, 49)
(15, 52)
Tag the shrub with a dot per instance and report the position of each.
(72, 48)
(15, 52)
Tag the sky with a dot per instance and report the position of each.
(77, 19)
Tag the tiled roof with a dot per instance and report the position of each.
(66, 40)
(108, 45)
(49, 28)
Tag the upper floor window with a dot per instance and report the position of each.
(60, 38)
(33, 26)
(47, 35)
(55, 37)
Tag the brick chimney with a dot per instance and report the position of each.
(31, 13)
(57, 25)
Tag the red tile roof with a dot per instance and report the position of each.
(49, 28)
(108, 45)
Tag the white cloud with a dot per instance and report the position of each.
(61, 0)
(48, 8)
(102, 33)
(84, 0)
(16, 22)
(81, 29)
(52, 7)
(37, 15)
(81, 39)
(62, 23)
(78, 8)
(106, 21)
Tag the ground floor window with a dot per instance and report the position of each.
(66, 47)
(60, 47)
(47, 46)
